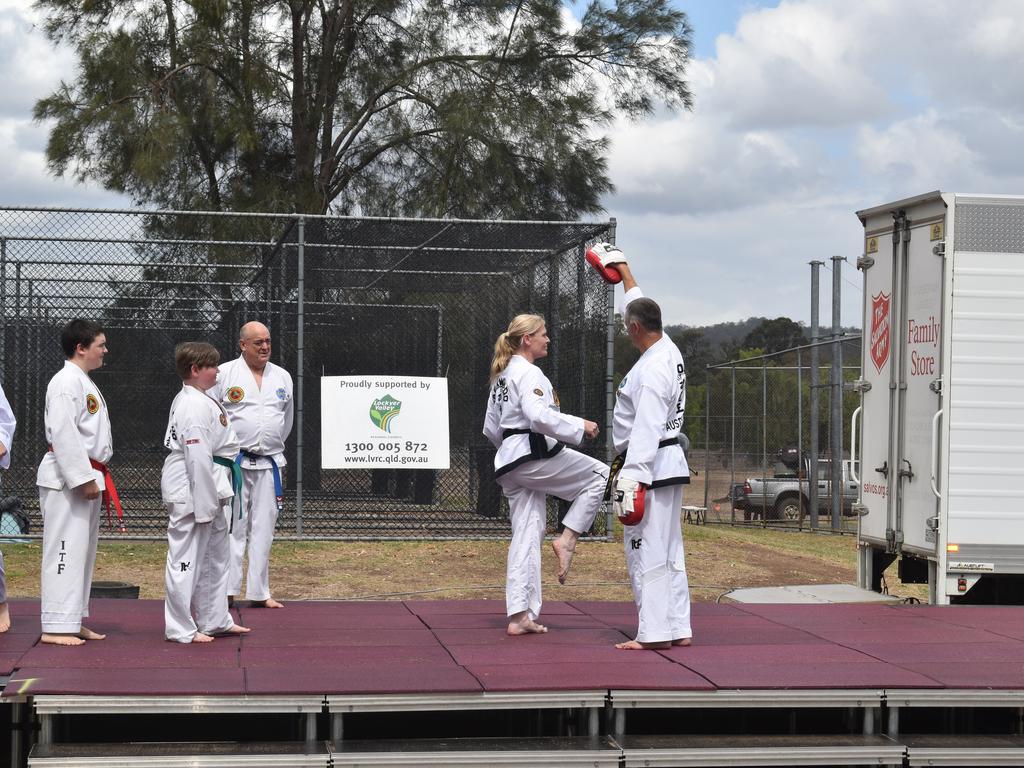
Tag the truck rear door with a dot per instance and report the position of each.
(900, 363)
(920, 339)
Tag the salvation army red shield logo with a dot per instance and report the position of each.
(880, 336)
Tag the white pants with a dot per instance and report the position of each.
(657, 568)
(71, 525)
(257, 525)
(197, 556)
(567, 475)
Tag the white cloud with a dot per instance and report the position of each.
(724, 266)
(920, 152)
(31, 66)
(808, 112)
(794, 64)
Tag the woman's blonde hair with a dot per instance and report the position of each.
(508, 343)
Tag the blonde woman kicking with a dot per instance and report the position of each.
(524, 423)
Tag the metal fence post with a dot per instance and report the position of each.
(815, 408)
(581, 358)
(764, 439)
(836, 419)
(800, 425)
(732, 443)
(707, 442)
(609, 380)
(3, 306)
(300, 373)
(764, 414)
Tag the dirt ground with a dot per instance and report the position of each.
(719, 559)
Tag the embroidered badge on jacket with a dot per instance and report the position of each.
(235, 394)
(92, 405)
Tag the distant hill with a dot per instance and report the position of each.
(723, 339)
(706, 345)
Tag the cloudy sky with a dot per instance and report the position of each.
(805, 111)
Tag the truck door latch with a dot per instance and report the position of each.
(908, 472)
(884, 469)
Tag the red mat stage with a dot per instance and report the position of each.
(418, 683)
(430, 647)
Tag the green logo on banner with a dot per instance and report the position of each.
(383, 411)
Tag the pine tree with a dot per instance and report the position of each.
(470, 108)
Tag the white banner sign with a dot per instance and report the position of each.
(378, 422)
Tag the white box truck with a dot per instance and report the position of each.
(938, 440)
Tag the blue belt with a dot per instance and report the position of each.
(278, 488)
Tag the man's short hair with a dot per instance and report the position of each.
(78, 331)
(646, 312)
(197, 353)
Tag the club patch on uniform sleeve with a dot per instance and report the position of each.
(92, 404)
(223, 420)
(193, 441)
(538, 392)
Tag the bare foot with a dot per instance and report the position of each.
(268, 603)
(87, 634)
(636, 645)
(199, 637)
(5, 617)
(521, 624)
(61, 638)
(564, 553)
(683, 641)
(236, 630)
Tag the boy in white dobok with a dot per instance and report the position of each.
(525, 424)
(72, 477)
(196, 485)
(7, 426)
(648, 491)
(257, 396)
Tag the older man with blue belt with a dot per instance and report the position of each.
(258, 398)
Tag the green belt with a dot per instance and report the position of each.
(236, 481)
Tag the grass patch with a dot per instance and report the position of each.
(719, 558)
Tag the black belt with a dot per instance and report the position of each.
(538, 449)
(620, 460)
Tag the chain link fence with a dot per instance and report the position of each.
(763, 433)
(342, 296)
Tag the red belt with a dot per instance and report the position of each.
(109, 490)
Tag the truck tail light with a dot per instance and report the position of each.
(952, 547)
(961, 584)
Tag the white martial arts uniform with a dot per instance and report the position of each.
(262, 418)
(77, 430)
(532, 464)
(647, 419)
(7, 427)
(196, 492)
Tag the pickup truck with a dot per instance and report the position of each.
(784, 497)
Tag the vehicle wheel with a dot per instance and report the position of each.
(787, 509)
